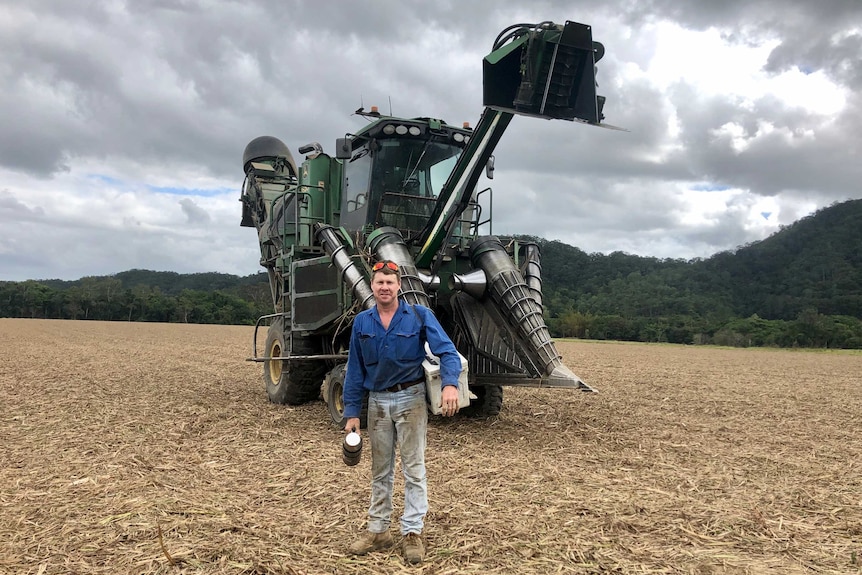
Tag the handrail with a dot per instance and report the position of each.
(259, 359)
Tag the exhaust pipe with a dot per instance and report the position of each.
(346, 266)
(386, 243)
(514, 298)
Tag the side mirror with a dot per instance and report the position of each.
(343, 149)
(489, 168)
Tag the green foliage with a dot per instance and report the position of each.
(816, 263)
(111, 298)
(751, 331)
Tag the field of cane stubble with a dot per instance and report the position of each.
(151, 448)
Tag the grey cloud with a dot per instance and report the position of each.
(193, 212)
(838, 57)
(813, 36)
(588, 212)
(11, 209)
(803, 152)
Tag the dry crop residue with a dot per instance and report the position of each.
(690, 460)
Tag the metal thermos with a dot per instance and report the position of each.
(351, 449)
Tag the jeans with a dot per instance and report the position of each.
(401, 417)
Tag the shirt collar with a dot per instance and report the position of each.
(402, 309)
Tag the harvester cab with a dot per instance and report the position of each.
(394, 171)
(406, 190)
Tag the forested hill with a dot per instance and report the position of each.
(813, 264)
(801, 286)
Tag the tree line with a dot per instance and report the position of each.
(802, 287)
(110, 299)
(809, 329)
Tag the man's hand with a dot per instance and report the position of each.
(449, 403)
(352, 425)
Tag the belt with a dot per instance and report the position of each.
(403, 386)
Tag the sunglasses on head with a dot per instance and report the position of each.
(379, 266)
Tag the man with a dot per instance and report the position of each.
(387, 347)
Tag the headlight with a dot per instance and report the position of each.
(415, 131)
(388, 129)
(401, 130)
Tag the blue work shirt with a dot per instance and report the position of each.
(380, 358)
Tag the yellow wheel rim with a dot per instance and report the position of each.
(274, 366)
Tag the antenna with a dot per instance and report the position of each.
(361, 110)
(390, 105)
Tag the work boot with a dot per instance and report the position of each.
(369, 542)
(414, 548)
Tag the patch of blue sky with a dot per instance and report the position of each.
(709, 188)
(207, 193)
(111, 181)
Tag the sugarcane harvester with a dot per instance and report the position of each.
(406, 190)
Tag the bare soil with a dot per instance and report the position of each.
(151, 448)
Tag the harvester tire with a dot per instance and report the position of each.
(333, 390)
(294, 382)
(488, 402)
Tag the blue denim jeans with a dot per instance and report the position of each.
(400, 417)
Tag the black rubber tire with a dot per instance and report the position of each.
(296, 382)
(488, 402)
(333, 390)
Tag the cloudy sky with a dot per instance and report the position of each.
(123, 122)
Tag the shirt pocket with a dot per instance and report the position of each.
(368, 346)
(408, 346)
